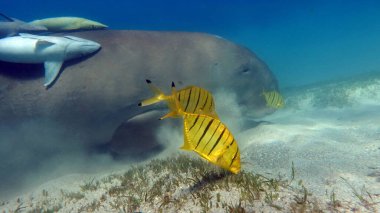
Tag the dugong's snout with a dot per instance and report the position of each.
(248, 88)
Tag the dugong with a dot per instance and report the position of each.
(68, 24)
(11, 27)
(97, 97)
(94, 106)
(50, 50)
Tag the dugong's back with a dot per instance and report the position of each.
(112, 80)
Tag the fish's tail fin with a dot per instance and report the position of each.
(175, 107)
(158, 95)
(262, 92)
(6, 17)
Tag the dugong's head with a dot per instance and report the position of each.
(78, 47)
(242, 73)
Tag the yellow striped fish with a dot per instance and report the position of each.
(212, 140)
(207, 136)
(192, 99)
(274, 99)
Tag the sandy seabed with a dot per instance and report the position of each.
(330, 133)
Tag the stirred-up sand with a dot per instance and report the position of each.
(320, 153)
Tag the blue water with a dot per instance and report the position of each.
(302, 41)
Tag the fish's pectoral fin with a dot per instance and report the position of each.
(169, 115)
(52, 69)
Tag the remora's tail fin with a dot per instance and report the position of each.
(6, 17)
(158, 95)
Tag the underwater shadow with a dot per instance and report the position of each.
(21, 71)
(208, 178)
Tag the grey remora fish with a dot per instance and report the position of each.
(57, 24)
(11, 27)
(50, 50)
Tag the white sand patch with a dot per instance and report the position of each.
(334, 145)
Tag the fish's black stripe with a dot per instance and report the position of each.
(204, 132)
(229, 133)
(200, 126)
(231, 142)
(196, 119)
(233, 159)
(205, 101)
(193, 99)
(277, 99)
(217, 141)
(212, 136)
(179, 97)
(274, 98)
(188, 99)
(199, 97)
(271, 98)
(210, 105)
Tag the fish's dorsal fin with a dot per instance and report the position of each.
(52, 69)
(40, 44)
(173, 102)
(158, 95)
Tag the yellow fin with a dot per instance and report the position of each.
(187, 142)
(187, 145)
(170, 114)
(158, 95)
